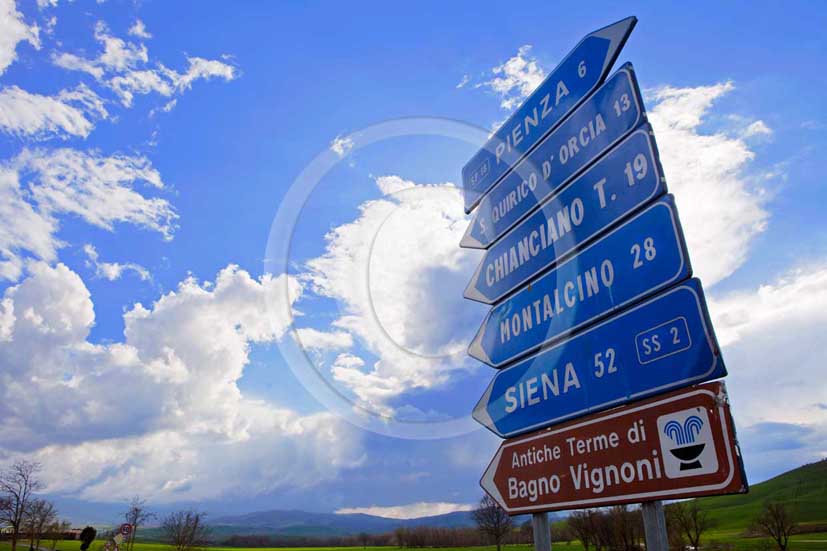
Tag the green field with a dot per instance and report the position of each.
(803, 490)
(803, 542)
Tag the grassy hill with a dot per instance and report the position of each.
(803, 489)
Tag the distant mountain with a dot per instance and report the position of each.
(804, 490)
(302, 523)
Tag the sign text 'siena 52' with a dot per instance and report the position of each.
(662, 344)
(577, 76)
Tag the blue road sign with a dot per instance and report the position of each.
(620, 183)
(637, 259)
(577, 76)
(662, 344)
(601, 122)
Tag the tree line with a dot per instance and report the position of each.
(620, 528)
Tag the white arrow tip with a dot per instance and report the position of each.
(480, 412)
(475, 349)
(487, 481)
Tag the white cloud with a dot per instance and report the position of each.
(772, 339)
(13, 30)
(112, 270)
(389, 185)
(98, 189)
(321, 340)
(138, 29)
(23, 228)
(70, 113)
(124, 67)
(756, 128)
(341, 145)
(516, 78)
(38, 187)
(720, 211)
(397, 275)
(186, 431)
(412, 510)
(118, 55)
(465, 80)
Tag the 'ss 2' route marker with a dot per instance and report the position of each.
(644, 255)
(620, 183)
(577, 76)
(662, 344)
(604, 119)
(676, 445)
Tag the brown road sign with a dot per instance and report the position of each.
(676, 445)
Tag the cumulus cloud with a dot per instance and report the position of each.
(186, 431)
(516, 78)
(397, 274)
(720, 210)
(38, 187)
(13, 31)
(112, 270)
(69, 113)
(772, 339)
(412, 510)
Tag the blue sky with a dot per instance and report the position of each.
(147, 149)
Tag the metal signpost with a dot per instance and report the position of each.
(596, 329)
(661, 344)
(577, 76)
(677, 445)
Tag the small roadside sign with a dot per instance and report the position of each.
(662, 344)
(577, 76)
(672, 446)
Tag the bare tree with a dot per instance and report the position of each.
(776, 522)
(17, 484)
(492, 520)
(56, 531)
(185, 530)
(691, 520)
(137, 515)
(38, 516)
(581, 528)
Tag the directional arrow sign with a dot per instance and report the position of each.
(602, 121)
(620, 183)
(671, 446)
(577, 76)
(662, 344)
(642, 256)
